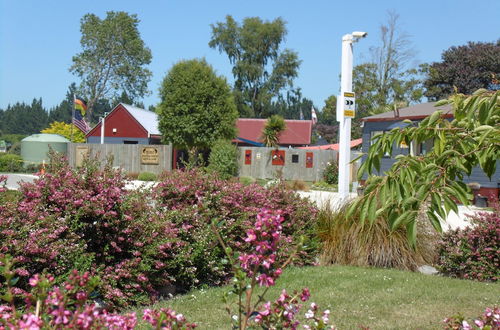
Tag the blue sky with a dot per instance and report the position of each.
(38, 38)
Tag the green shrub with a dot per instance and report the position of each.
(349, 241)
(473, 252)
(11, 163)
(224, 159)
(246, 180)
(147, 176)
(331, 173)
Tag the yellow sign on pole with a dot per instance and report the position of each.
(349, 104)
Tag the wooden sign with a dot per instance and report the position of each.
(248, 157)
(278, 157)
(81, 153)
(150, 156)
(309, 159)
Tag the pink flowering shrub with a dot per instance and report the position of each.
(196, 199)
(490, 320)
(84, 219)
(259, 266)
(49, 306)
(473, 252)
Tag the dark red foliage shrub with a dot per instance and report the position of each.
(199, 199)
(473, 252)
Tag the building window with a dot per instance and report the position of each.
(295, 158)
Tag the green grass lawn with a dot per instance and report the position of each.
(377, 298)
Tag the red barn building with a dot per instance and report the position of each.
(126, 124)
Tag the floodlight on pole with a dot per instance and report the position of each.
(346, 111)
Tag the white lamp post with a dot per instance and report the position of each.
(346, 111)
(102, 126)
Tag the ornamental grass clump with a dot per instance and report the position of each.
(473, 252)
(350, 241)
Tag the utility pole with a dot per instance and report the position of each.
(346, 111)
(102, 126)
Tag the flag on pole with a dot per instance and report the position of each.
(79, 115)
(314, 118)
(301, 115)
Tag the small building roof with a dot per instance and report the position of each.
(44, 137)
(147, 119)
(413, 112)
(336, 146)
(297, 132)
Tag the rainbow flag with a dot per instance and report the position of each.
(79, 116)
(81, 105)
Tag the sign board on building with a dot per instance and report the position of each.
(150, 156)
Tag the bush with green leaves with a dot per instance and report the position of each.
(273, 128)
(147, 176)
(473, 252)
(224, 159)
(11, 163)
(432, 183)
(331, 173)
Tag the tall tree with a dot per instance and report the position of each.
(261, 70)
(292, 105)
(389, 80)
(22, 118)
(466, 68)
(113, 58)
(197, 107)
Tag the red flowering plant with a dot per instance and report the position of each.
(193, 199)
(473, 252)
(259, 266)
(84, 219)
(49, 306)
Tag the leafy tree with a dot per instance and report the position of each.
(431, 183)
(275, 125)
(22, 118)
(260, 69)
(196, 107)
(113, 58)
(466, 68)
(327, 115)
(69, 131)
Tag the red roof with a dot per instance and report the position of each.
(354, 143)
(297, 132)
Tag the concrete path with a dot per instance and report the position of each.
(453, 220)
(14, 179)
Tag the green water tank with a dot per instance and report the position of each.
(35, 148)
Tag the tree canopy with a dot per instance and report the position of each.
(261, 70)
(113, 58)
(196, 107)
(69, 131)
(464, 68)
(22, 118)
(431, 183)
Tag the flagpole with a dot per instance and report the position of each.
(72, 116)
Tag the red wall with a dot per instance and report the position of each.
(126, 125)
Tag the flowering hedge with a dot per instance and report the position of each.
(473, 252)
(195, 200)
(140, 244)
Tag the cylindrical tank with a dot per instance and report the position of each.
(35, 148)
